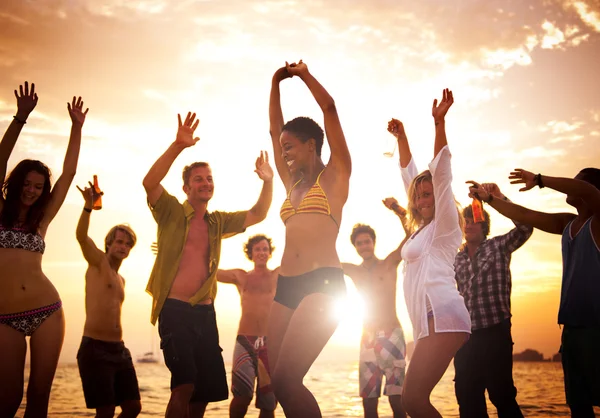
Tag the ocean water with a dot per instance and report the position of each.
(540, 386)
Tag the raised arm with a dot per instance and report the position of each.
(439, 114)
(259, 211)
(395, 257)
(351, 270)
(553, 223)
(576, 188)
(184, 139)
(396, 128)
(340, 161)
(276, 123)
(90, 252)
(26, 102)
(62, 185)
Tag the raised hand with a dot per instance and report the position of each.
(263, 169)
(185, 132)
(88, 195)
(520, 176)
(493, 189)
(26, 101)
(396, 128)
(477, 191)
(76, 111)
(281, 74)
(438, 111)
(392, 204)
(298, 68)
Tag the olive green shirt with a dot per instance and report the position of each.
(173, 219)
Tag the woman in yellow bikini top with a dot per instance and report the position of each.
(315, 201)
(311, 279)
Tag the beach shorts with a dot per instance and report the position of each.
(249, 363)
(580, 348)
(292, 289)
(189, 339)
(382, 353)
(107, 373)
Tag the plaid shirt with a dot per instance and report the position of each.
(485, 281)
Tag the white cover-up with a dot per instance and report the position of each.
(429, 257)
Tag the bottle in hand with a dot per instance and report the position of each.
(97, 195)
(477, 208)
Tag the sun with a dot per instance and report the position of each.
(349, 311)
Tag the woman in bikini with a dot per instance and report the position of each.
(441, 322)
(29, 304)
(311, 278)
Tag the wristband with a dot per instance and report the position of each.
(87, 210)
(538, 181)
(490, 199)
(22, 122)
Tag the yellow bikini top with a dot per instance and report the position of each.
(315, 201)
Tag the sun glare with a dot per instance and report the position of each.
(349, 311)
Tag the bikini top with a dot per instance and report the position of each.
(314, 201)
(20, 238)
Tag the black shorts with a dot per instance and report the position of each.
(581, 365)
(107, 373)
(292, 289)
(190, 342)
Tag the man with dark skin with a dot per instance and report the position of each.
(257, 289)
(383, 348)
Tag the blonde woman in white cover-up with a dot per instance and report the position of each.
(441, 322)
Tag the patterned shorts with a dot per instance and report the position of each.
(382, 353)
(250, 363)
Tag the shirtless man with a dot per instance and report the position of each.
(382, 348)
(257, 290)
(105, 364)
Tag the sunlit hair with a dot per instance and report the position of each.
(485, 225)
(255, 240)
(304, 129)
(12, 190)
(591, 175)
(362, 229)
(112, 234)
(414, 219)
(187, 171)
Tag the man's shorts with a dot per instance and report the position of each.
(249, 363)
(382, 353)
(107, 373)
(579, 349)
(189, 340)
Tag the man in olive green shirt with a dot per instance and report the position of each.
(183, 281)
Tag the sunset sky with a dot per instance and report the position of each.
(524, 76)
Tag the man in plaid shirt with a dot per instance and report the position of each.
(482, 270)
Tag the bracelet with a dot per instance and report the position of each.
(490, 199)
(538, 181)
(87, 210)
(22, 122)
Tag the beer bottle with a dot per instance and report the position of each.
(97, 204)
(477, 208)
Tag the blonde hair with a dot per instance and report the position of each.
(414, 218)
(112, 234)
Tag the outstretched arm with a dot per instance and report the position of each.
(439, 114)
(62, 185)
(395, 256)
(340, 161)
(573, 187)
(230, 276)
(26, 102)
(91, 253)
(276, 123)
(184, 139)
(553, 223)
(259, 211)
(351, 270)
